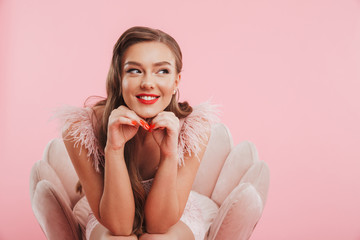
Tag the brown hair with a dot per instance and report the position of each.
(115, 99)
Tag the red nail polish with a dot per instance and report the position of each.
(145, 125)
(151, 127)
(134, 123)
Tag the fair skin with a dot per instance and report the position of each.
(148, 69)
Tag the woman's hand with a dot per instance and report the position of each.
(123, 125)
(165, 129)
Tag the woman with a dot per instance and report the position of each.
(144, 147)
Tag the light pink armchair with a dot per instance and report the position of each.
(232, 177)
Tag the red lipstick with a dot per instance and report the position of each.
(147, 98)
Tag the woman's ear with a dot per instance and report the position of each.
(177, 80)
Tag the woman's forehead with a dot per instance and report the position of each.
(146, 53)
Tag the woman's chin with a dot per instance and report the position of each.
(147, 116)
(148, 113)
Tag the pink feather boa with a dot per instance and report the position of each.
(192, 133)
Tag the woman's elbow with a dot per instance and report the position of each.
(117, 224)
(157, 229)
(120, 230)
(160, 227)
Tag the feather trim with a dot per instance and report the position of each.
(194, 129)
(81, 131)
(192, 134)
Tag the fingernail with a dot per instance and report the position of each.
(145, 125)
(151, 127)
(134, 123)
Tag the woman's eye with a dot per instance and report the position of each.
(164, 71)
(133, 70)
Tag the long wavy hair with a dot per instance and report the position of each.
(115, 99)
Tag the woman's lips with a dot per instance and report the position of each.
(147, 98)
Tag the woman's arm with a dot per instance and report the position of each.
(117, 207)
(170, 190)
(109, 195)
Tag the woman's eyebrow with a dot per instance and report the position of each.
(162, 63)
(132, 63)
(155, 64)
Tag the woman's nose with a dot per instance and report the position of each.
(147, 82)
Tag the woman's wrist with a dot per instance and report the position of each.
(172, 156)
(114, 149)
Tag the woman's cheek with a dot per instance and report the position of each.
(168, 85)
(125, 84)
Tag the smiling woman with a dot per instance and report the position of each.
(144, 146)
(149, 77)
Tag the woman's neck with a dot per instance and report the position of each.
(147, 154)
(143, 137)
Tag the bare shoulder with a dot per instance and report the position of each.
(80, 136)
(194, 159)
(75, 143)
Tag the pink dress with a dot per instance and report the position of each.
(193, 128)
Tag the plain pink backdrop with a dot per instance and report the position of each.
(286, 72)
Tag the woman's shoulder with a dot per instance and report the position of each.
(195, 128)
(79, 125)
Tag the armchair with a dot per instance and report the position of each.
(231, 176)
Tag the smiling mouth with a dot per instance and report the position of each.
(147, 99)
(144, 97)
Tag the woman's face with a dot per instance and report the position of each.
(149, 78)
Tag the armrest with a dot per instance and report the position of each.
(53, 213)
(259, 176)
(238, 214)
(43, 171)
(218, 149)
(238, 162)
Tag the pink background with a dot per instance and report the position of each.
(287, 74)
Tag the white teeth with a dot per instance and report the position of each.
(147, 97)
